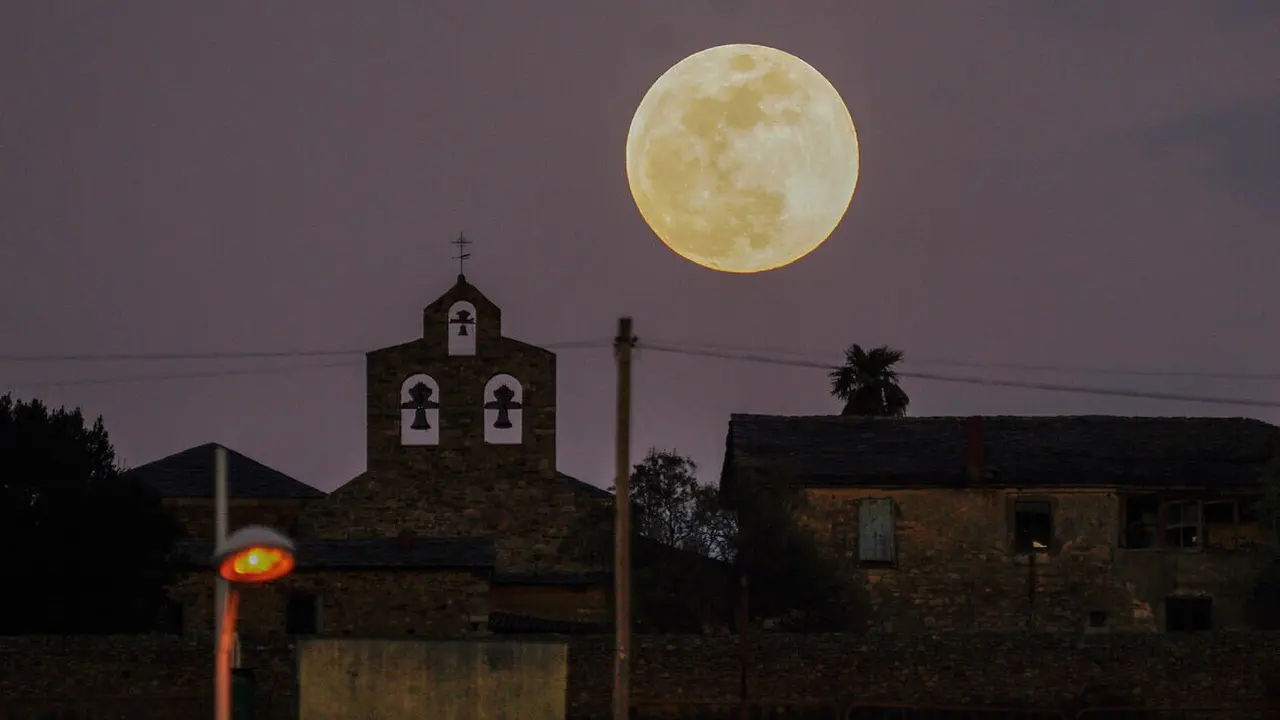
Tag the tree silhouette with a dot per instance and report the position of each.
(84, 550)
(868, 384)
(670, 506)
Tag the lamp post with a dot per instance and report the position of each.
(250, 556)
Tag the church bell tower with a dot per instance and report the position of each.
(461, 399)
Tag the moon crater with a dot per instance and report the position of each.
(742, 158)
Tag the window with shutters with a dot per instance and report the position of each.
(876, 531)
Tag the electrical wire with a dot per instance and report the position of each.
(909, 362)
(181, 376)
(579, 344)
(992, 365)
(582, 344)
(656, 347)
(1063, 370)
(1051, 387)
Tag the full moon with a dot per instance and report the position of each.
(742, 158)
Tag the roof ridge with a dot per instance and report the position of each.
(1036, 450)
(1005, 416)
(189, 473)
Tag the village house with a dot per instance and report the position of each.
(1089, 524)
(461, 524)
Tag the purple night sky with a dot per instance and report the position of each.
(1089, 184)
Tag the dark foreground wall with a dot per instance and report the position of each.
(131, 676)
(1044, 671)
(162, 677)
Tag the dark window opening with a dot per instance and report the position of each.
(1250, 510)
(1097, 618)
(1188, 614)
(174, 615)
(1182, 524)
(302, 615)
(1221, 525)
(1141, 522)
(1032, 526)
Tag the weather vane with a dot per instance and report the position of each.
(463, 256)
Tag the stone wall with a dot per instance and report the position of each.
(139, 677)
(1044, 671)
(196, 514)
(586, 603)
(375, 603)
(955, 569)
(539, 524)
(462, 384)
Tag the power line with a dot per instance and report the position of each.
(96, 357)
(993, 365)
(1051, 387)
(182, 376)
(657, 347)
(247, 371)
(1100, 371)
(582, 344)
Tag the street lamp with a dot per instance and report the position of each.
(249, 556)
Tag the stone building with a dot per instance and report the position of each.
(257, 494)
(461, 523)
(1023, 523)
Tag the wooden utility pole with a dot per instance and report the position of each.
(622, 345)
(744, 650)
(222, 666)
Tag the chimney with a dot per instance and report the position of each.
(974, 453)
(404, 541)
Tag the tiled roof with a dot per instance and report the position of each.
(189, 474)
(1096, 451)
(372, 554)
(585, 488)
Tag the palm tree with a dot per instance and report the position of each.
(868, 384)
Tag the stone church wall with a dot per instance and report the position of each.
(196, 514)
(462, 443)
(539, 524)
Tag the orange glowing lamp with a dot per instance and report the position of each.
(254, 555)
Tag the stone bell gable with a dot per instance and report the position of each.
(462, 443)
(462, 399)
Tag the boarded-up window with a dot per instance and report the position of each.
(875, 530)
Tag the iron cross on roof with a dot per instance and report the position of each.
(463, 256)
